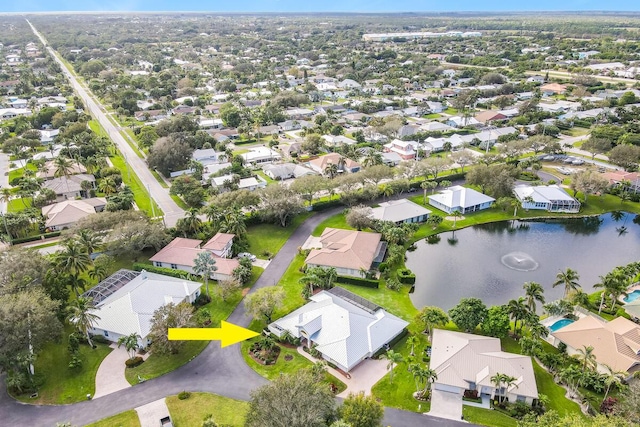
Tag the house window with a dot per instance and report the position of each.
(520, 398)
(174, 266)
(106, 334)
(158, 264)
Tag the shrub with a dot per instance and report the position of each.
(471, 394)
(132, 363)
(202, 299)
(608, 405)
(99, 339)
(162, 270)
(394, 284)
(406, 276)
(75, 362)
(183, 395)
(348, 280)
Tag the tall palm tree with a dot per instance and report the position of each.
(81, 316)
(74, 260)
(534, 292)
(431, 377)
(130, 343)
(412, 341)
(432, 317)
(63, 167)
(425, 185)
(611, 377)
(331, 170)
(373, 158)
(614, 284)
(204, 264)
(569, 279)
(393, 359)
(190, 224)
(233, 222)
(445, 183)
(518, 310)
(456, 214)
(90, 241)
(107, 185)
(586, 356)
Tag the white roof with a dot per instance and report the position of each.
(542, 193)
(131, 307)
(343, 331)
(458, 196)
(460, 358)
(259, 153)
(399, 210)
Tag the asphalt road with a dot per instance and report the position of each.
(172, 212)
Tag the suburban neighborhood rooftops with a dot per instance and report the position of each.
(398, 210)
(345, 249)
(542, 193)
(461, 196)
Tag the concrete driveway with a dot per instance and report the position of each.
(364, 376)
(110, 377)
(151, 413)
(446, 405)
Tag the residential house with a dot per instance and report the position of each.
(628, 180)
(344, 164)
(337, 140)
(552, 89)
(405, 149)
(615, 343)
(489, 116)
(435, 107)
(551, 198)
(284, 171)
(153, 115)
(126, 300)
(349, 252)
(260, 155)
(65, 214)
(180, 254)
(49, 170)
(48, 136)
(226, 183)
(461, 199)
(391, 159)
(12, 113)
(401, 211)
(460, 122)
(470, 362)
(343, 327)
(69, 187)
(436, 127)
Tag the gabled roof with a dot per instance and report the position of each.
(333, 158)
(71, 211)
(131, 307)
(461, 196)
(63, 184)
(345, 249)
(460, 358)
(615, 343)
(344, 331)
(181, 251)
(399, 210)
(218, 242)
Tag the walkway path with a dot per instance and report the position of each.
(110, 377)
(151, 413)
(172, 212)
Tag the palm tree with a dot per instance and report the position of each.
(534, 292)
(569, 279)
(331, 170)
(393, 359)
(425, 185)
(233, 222)
(431, 317)
(107, 185)
(431, 377)
(614, 284)
(98, 272)
(63, 167)
(90, 241)
(190, 224)
(518, 311)
(373, 158)
(74, 260)
(445, 183)
(387, 191)
(81, 316)
(130, 343)
(612, 377)
(412, 341)
(585, 354)
(456, 214)
(419, 375)
(204, 264)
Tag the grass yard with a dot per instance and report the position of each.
(179, 202)
(63, 385)
(158, 178)
(269, 238)
(265, 177)
(395, 302)
(18, 205)
(336, 221)
(141, 196)
(487, 417)
(192, 411)
(19, 173)
(97, 128)
(124, 419)
(157, 365)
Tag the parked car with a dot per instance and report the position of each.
(578, 162)
(247, 255)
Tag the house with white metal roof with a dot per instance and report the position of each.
(468, 362)
(343, 327)
(399, 211)
(126, 300)
(551, 198)
(461, 199)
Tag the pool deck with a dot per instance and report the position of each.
(632, 288)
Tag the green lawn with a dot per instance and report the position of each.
(19, 173)
(395, 302)
(63, 385)
(192, 411)
(269, 238)
(265, 177)
(17, 205)
(432, 116)
(336, 221)
(179, 202)
(157, 365)
(158, 178)
(124, 419)
(140, 193)
(97, 128)
(487, 417)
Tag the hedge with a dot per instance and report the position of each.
(322, 205)
(35, 238)
(180, 274)
(348, 280)
(406, 276)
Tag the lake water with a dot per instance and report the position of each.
(493, 261)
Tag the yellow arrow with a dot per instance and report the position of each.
(228, 334)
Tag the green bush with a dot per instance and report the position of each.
(367, 283)
(184, 395)
(132, 363)
(35, 238)
(406, 276)
(180, 274)
(99, 339)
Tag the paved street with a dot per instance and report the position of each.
(172, 212)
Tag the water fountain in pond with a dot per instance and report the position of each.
(519, 261)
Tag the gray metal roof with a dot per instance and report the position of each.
(110, 285)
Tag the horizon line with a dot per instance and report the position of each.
(292, 12)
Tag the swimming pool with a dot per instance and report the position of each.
(559, 324)
(632, 296)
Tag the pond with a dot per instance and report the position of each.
(493, 261)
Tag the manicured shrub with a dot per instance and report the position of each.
(406, 276)
(348, 280)
(183, 395)
(132, 363)
(180, 274)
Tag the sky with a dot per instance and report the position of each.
(315, 6)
